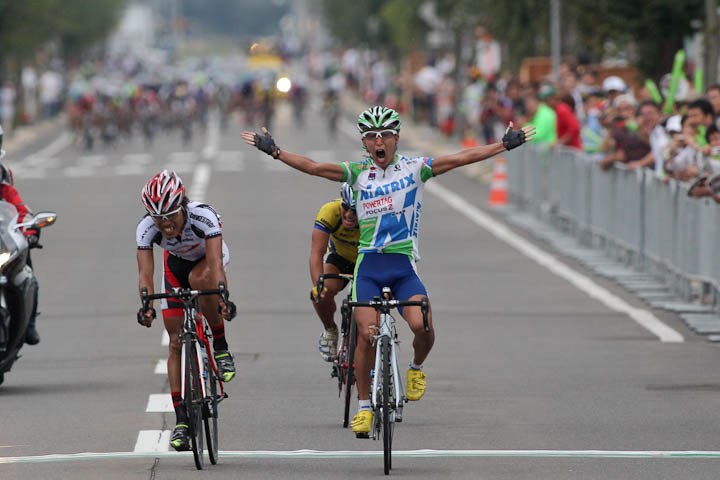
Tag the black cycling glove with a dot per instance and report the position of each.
(265, 143)
(141, 315)
(513, 138)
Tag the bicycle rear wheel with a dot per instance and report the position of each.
(388, 401)
(350, 371)
(211, 415)
(193, 400)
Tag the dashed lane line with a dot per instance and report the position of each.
(159, 403)
(339, 454)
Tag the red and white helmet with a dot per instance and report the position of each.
(163, 193)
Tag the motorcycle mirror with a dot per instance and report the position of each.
(44, 219)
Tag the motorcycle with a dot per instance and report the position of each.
(17, 288)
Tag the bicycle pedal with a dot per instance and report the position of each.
(362, 435)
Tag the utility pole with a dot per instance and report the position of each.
(555, 38)
(712, 50)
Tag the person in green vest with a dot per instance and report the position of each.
(541, 116)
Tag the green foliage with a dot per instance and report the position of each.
(404, 28)
(357, 23)
(27, 25)
(592, 28)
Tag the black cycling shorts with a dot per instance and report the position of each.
(343, 264)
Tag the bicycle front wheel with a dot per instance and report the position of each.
(211, 415)
(388, 402)
(350, 371)
(193, 400)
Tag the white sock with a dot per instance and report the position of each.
(415, 367)
(364, 405)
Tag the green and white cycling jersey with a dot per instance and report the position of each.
(389, 203)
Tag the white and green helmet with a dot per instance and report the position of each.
(378, 117)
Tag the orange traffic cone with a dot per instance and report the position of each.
(469, 141)
(498, 187)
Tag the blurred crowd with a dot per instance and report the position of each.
(614, 121)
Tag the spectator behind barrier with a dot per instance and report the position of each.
(624, 134)
(681, 160)
(651, 130)
(543, 118)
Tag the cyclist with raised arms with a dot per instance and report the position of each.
(195, 256)
(388, 193)
(336, 232)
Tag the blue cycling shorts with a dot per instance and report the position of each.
(373, 271)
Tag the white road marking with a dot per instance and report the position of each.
(138, 158)
(182, 157)
(161, 367)
(78, 172)
(92, 161)
(50, 150)
(427, 453)
(159, 402)
(230, 161)
(131, 169)
(213, 136)
(25, 172)
(165, 340)
(153, 441)
(200, 182)
(643, 317)
(40, 162)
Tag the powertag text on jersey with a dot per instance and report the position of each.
(389, 202)
(203, 222)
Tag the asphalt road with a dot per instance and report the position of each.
(530, 378)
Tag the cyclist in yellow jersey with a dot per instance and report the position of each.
(336, 232)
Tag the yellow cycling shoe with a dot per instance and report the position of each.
(415, 384)
(362, 422)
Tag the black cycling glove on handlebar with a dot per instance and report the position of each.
(513, 138)
(265, 143)
(141, 314)
(231, 308)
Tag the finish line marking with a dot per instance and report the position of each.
(686, 454)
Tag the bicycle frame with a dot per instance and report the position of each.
(387, 329)
(201, 404)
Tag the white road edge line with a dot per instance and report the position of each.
(643, 317)
(427, 453)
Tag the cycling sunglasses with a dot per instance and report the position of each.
(385, 134)
(166, 216)
(347, 207)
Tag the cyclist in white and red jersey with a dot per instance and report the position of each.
(195, 256)
(388, 195)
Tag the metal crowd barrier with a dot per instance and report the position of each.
(651, 225)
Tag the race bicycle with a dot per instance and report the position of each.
(202, 390)
(343, 368)
(387, 394)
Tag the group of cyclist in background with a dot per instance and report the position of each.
(106, 112)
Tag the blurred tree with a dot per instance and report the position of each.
(235, 17)
(655, 28)
(27, 25)
(357, 23)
